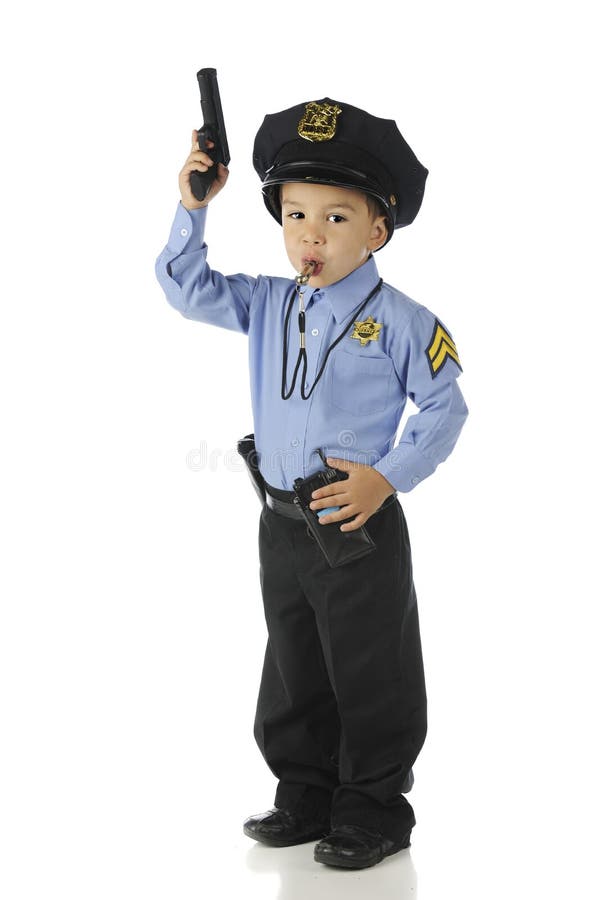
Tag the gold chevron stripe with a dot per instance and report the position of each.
(440, 335)
(445, 350)
(441, 346)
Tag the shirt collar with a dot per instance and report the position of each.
(345, 295)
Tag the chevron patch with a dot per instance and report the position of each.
(441, 348)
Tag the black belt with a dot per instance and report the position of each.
(282, 502)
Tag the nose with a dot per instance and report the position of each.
(312, 233)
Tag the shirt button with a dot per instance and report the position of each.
(295, 442)
(414, 480)
(184, 232)
(315, 332)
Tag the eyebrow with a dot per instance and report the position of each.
(329, 205)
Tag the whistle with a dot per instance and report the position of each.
(305, 274)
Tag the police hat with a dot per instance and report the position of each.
(330, 142)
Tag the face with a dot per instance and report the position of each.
(331, 226)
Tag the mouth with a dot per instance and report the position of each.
(316, 262)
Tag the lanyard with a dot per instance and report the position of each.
(302, 358)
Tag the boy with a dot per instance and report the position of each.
(341, 712)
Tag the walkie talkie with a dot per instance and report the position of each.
(213, 130)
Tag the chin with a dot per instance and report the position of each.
(325, 280)
(319, 282)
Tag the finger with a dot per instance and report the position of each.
(193, 167)
(324, 491)
(198, 164)
(201, 156)
(331, 500)
(205, 141)
(344, 513)
(355, 524)
(196, 141)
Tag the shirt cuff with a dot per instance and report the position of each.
(187, 230)
(404, 467)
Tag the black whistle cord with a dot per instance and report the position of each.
(302, 352)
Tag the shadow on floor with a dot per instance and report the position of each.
(393, 879)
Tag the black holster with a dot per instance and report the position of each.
(338, 547)
(247, 450)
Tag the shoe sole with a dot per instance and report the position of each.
(284, 842)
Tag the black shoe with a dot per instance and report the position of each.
(282, 828)
(353, 847)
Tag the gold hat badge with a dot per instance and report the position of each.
(366, 331)
(319, 121)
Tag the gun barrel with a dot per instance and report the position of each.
(212, 111)
(207, 80)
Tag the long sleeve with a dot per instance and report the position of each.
(427, 365)
(191, 286)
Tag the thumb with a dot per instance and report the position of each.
(338, 463)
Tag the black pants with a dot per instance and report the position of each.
(341, 713)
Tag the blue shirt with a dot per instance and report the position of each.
(355, 408)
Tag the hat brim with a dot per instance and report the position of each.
(326, 173)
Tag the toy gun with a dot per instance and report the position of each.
(212, 130)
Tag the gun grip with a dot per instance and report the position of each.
(200, 182)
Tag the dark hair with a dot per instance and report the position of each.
(374, 206)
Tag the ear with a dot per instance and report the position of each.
(378, 233)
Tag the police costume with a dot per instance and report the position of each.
(341, 712)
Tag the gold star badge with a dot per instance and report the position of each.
(366, 331)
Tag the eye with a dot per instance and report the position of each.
(334, 217)
(295, 215)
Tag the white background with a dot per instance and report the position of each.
(131, 633)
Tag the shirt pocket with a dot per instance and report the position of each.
(360, 384)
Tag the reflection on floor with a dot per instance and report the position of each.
(301, 878)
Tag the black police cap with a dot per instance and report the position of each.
(330, 142)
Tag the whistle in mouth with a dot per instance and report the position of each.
(306, 272)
